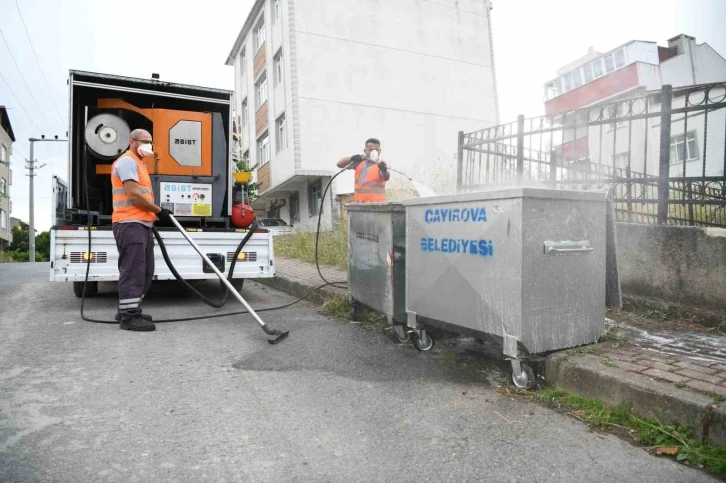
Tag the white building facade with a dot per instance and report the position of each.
(315, 79)
(7, 138)
(635, 70)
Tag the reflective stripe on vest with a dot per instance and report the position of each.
(123, 208)
(369, 186)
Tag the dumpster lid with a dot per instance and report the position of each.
(505, 193)
(381, 206)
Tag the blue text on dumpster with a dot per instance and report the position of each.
(483, 248)
(455, 215)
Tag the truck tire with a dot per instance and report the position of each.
(91, 290)
(237, 283)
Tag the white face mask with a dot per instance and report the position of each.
(374, 155)
(145, 150)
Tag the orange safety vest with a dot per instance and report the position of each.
(123, 209)
(369, 187)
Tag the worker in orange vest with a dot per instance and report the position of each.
(371, 173)
(134, 213)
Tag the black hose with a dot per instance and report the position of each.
(179, 278)
(317, 234)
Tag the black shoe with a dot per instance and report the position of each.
(143, 316)
(138, 324)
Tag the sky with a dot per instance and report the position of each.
(532, 38)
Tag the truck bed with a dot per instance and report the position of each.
(69, 248)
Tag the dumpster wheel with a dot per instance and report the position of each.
(525, 378)
(423, 342)
(402, 334)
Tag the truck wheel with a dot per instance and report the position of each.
(91, 290)
(237, 283)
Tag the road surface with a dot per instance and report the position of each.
(213, 401)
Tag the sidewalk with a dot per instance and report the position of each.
(679, 375)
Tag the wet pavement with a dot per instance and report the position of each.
(212, 401)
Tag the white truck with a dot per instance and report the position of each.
(191, 170)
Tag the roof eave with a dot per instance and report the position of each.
(243, 33)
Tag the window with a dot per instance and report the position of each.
(597, 68)
(3, 186)
(567, 81)
(620, 161)
(295, 208)
(281, 132)
(4, 158)
(245, 113)
(587, 73)
(609, 64)
(260, 34)
(3, 220)
(315, 194)
(278, 9)
(576, 79)
(279, 67)
(261, 91)
(263, 150)
(619, 58)
(243, 62)
(682, 150)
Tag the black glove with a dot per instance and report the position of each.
(382, 167)
(356, 158)
(165, 216)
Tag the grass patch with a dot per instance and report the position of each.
(339, 306)
(332, 246)
(680, 385)
(612, 334)
(583, 351)
(718, 397)
(607, 362)
(648, 431)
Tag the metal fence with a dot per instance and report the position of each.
(663, 155)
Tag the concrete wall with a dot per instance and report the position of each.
(678, 264)
(410, 73)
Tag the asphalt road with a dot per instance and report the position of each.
(213, 401)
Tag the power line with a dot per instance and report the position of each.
(57, 110)
(25, 81)
(20, 103)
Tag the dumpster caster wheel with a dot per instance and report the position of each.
(402, 334)
(525, 378)
(353, 312)
(423, 342)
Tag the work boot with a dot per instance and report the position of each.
(137, 323)
(143, 316)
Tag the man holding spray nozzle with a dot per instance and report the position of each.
(371, 173)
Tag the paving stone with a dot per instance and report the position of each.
(718, 367)
(696, 367)
(628, 366)
(623, 352)
(700, 376)
(706, 387)
(657, 365)
(668, 376)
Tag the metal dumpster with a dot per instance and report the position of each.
(377, 261)
(525, 266)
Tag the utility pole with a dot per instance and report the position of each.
(31, 167)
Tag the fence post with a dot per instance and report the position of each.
(460, 162)
(665, 153)
(520, 147)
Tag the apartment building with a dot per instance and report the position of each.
(7, 138)
(634, 70)
(315, 79)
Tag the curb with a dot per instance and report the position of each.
(298, 289)
(587, 376)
